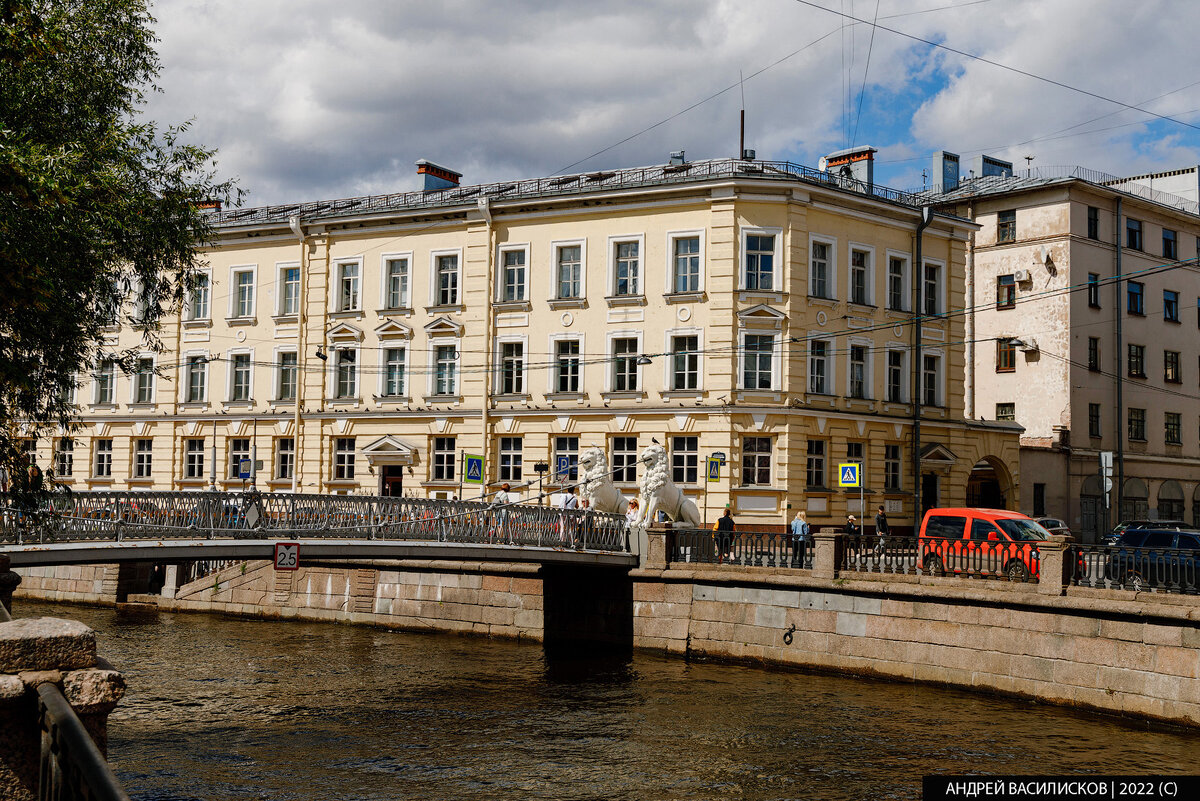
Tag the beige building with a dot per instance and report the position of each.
(752, 309)
(1084, 331)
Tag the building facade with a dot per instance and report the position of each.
(758, 311)
(1085, 299)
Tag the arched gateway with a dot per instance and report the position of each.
(990, 485)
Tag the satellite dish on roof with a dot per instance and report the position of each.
(822, 163)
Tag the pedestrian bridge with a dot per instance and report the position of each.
(108, 527)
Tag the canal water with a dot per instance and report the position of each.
(222, 708)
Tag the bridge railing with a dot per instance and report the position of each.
(120, 516)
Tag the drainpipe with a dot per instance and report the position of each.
(918, 309)
(1119, 314)
(301, 330)
(969, 383)
(486, 210)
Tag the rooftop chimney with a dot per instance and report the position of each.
(437, 177)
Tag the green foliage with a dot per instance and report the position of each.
(96, 204)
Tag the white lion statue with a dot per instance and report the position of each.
(659, 493)
(597, 484)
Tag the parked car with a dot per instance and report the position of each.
(1152, 557)
(1161, 525)
(1054, 525)
(986, 542)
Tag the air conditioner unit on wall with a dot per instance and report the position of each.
(1021, 276)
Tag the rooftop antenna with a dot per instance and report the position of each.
(1029, 161)
(742, 129)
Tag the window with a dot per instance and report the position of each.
(1006, 412)
(1171, 372)
(1173, 428)
(1093, 222)
(197, 378)
(1093, 290)
(343, 458)
(760, 261)
(104, 453)
(896, 268)
(1006, 226)
(1039, 499)
(106, 379)
(685, 276)
(1134, 298)
(143, 382)
(510, 458)
(1006, 356)
(199, 300)
(566, 361)
(929, 379)
(685, 362)
(1093, 419)
(193, 460)
(895, 376)
(444, 459)
(933, 289)
(891, 467)
(568, 447)
(819, 271)
(570, 271)
(143, 458)
(1137, 361)
(625, 371)
(818, 367)
(446, 280)
(289, 290)
(858, 371)
(288, 370)
(1170, 305)
(239, 449)
(512, 286)
(512, 368)
(756, 461)
(446, 376)
(685, 460)
(393, 372)
(854, 452)
(1137, 424)
(626, 268)
(345, 366)
(1170, 246)
(396, 276)
(243, 293)
(624, 460)
(1093, 353)
(860, 277)
(1133, 234)
(64, 458)
(1006, 292)
(815, 464)
(348, 286)
(240, 390)
(285, 457)
(759, 355)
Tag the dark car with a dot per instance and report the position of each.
(1151, 557)
(1054, 525)
(1161, 525)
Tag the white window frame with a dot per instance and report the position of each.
(672, 238)
(905, 371)
(552, 382)
(512, 339)
(611, 276)
(405, 374)
(939, 378)
(191, 299)
(384, 289)
(776, 261)
(611, 363)
(133, 379)
(335, 299)
(111, 451)
(832, 242)
(872, 266)
(776, 358)
(185, 385)
(830, 364)
(112, 376)
(431, 379)
(555, 245)
(229, 373)
(943, 306)
(281, 267)
(234, 272)
(135, 461)
(434, 255)
(334, 355)
(905, 280)
(521, 247)
(669, 361)
(277, 373)
(868, 368)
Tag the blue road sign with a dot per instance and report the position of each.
(474, 470)
(714, 469)
(562, 466)
(244, 468)
(848, 474)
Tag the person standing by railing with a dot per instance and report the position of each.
(500, 502)
(724, 528)
(801, 534)
(882, 530)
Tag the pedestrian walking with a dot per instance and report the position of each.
(724, 529)
(882, 530)
(851, 526)
(501, 501)
(801, 535)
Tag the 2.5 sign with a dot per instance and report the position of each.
(287, 556)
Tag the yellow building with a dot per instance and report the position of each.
(758, 310)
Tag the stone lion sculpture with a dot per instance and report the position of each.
(660, 494)
(596, 483)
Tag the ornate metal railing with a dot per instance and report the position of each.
(1015, 561)
(748, 548)
(1116, 567)
(870, 553)
(121, 516)
(72, 767)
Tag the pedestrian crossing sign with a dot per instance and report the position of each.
(473, 473)
(848, 475)
(714, 469)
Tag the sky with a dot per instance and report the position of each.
(309, 100)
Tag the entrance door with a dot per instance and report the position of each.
(393, 480)
(929, 492)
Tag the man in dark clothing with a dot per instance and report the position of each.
(851, 526)
(725, 534)
(881, 528)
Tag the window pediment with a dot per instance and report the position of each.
(344, 332)
(443, 326)
(389, 450)
(938, 454)
(761, 316)
(393, 329)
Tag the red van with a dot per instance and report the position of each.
(983, 542)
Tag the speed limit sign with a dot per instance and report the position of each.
(287, 556)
